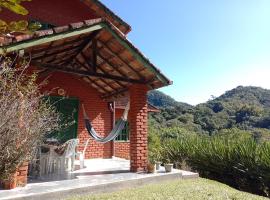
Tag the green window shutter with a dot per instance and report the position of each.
(69, 110)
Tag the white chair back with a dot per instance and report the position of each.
(71, 147)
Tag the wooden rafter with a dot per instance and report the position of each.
(55, 61)
(73, 48)
(107, 61)
(117, 93)
(78, 42)
(94, 55)
(93, 81)
(98, 67)
(122, 60)
(104, 81)
(96, 84)
(87, 73)
(88, 42)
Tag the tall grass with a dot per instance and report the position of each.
(234, 159)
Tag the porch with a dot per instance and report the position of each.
(94, 64)
(100, 175)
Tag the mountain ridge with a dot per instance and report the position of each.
(244, 107)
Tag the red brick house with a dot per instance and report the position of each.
(84, 51)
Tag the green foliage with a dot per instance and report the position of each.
(16, 26)
(232, 157)
(14, 6)
(187, 189)
(226, 138)
(161, 100)
(246, 108)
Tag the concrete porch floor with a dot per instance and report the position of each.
(100, 175)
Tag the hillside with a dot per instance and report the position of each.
(246, 108)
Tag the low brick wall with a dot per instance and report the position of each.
(21, 179)
(122, 150)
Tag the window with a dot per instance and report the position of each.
(124, 135)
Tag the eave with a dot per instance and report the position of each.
(94, 50)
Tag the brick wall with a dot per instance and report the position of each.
(122, 150)
(19, 178)
(138, 128)
(100, 117)
(96, 108)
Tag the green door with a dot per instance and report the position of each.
(68, 109)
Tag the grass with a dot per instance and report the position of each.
(195, 189)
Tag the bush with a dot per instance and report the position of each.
(25, 119)
(233, 158)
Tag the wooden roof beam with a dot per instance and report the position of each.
(78, 42)
(98, 67)
(87, 73)
(117, 93)
(76, 48)
(107, 61)
(122, 60)
(104, 81)
(96, 84)
(94, 55)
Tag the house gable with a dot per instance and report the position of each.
(63, 12)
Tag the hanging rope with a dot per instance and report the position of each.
(113, 134)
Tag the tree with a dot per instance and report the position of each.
(25, 116)
(16, 26)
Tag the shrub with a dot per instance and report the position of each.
(25, 119)
(233, 158)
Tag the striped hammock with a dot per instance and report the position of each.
(119, 126)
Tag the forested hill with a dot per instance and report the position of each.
(246, 108)
(161, 100)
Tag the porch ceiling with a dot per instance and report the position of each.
(95, 50)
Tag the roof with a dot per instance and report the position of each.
(99, 7)
(95, 50)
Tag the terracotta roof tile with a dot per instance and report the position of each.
(43, 32)
(20, 38)
(6, 41)
(76, 25)
(61, 29)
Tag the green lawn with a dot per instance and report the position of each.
(192, 189)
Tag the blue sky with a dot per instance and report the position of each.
(206, 47)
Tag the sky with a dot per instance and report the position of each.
(205, 47)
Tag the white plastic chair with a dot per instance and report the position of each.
(81, 155)
(67, 160)
(44, 159)
(38, 164)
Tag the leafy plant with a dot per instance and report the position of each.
(16, 26)
(234, 158)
